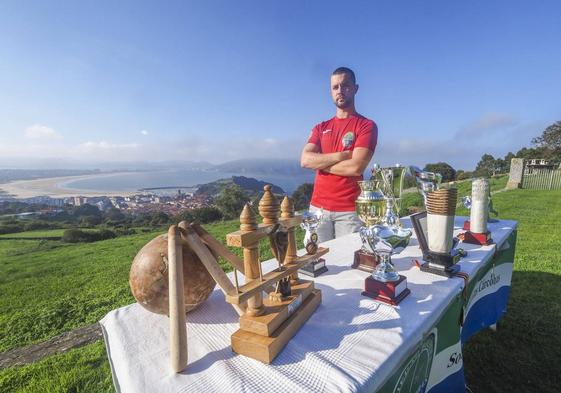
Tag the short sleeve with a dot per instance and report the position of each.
(367, 136)
(314, 136)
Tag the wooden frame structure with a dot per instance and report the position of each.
(272, 306)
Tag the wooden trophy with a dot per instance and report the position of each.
(270, 321)
(272, 306)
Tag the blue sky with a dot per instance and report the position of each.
(120, 81)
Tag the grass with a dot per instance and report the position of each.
(525, 354)
(48, 233)
(48, 291)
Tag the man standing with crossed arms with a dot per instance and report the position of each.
(339, 150)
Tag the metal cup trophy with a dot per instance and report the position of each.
(392, 182)
(310, 223)
(385, 284)
(370, 208)
(426, 181)
(479, 204)
(434, 227)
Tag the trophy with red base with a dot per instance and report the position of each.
(479, 206)
(370, 208)
(385, 284)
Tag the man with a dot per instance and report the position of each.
(339, 150)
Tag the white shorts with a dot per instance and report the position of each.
(336, 224)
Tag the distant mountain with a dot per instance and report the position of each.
(7, 175)
(263, 166)
(251, 186)
(64, 164)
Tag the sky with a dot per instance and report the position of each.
(106, 81)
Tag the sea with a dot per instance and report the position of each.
(169, 181)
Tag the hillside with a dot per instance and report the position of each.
(48, 287)
(251, 186)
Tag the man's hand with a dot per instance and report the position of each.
(354, 166)
(312, 159)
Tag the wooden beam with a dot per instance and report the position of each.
(219, 248)
(245, 238)
(208, 260)
(251, 288)
(210, 263)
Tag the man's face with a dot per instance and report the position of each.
(343, 90)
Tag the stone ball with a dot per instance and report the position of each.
(148, 277)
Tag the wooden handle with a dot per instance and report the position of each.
(177, 328)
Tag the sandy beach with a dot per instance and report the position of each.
(55, 187)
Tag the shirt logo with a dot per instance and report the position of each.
(348, 139)
(326, 131)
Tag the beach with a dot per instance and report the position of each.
(54, 187)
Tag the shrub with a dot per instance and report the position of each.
(79, 236)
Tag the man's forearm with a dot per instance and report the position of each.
(312, 160)
(344, 168)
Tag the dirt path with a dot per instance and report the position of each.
(59, 344)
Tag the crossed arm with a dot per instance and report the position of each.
(343, 163)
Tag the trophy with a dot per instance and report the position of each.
(370, 208)
(426, 181)
(310, 223)
(392, 181)
(385, 284)
(479, 204)
(435, 233)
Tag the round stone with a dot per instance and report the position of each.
(148, 277)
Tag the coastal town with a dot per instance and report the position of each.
(143, 202)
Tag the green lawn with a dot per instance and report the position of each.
(48, 287)
(34, 234)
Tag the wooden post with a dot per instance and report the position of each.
(287, 211)
(178, 331)
(251, 261)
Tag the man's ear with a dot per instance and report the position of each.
(356, 88)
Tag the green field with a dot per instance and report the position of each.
(49, 287)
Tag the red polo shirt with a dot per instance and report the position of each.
(334, 192)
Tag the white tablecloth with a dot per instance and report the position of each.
(351, 343)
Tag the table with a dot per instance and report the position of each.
(350, 344)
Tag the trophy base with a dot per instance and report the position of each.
(386, 292)
(440, 270)
(314, 269)
(482, 239)
(365, 261)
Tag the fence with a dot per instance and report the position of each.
(541, 178)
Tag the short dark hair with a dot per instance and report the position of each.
(345, 70)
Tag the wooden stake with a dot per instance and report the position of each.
(178, 328)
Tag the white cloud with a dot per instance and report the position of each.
(144, 132)
(106, 146)
(39, 131)
(492, 122)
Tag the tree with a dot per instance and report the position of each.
(448, 173)
(114, 215)
(302, 196)
(550, 138)
(231, 200)
(508, 159)
(463, 175)
(86, 210)
(487, 166)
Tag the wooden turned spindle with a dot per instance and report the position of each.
(248, 223)
(269, 207)
(287, 211)
(178, 331)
